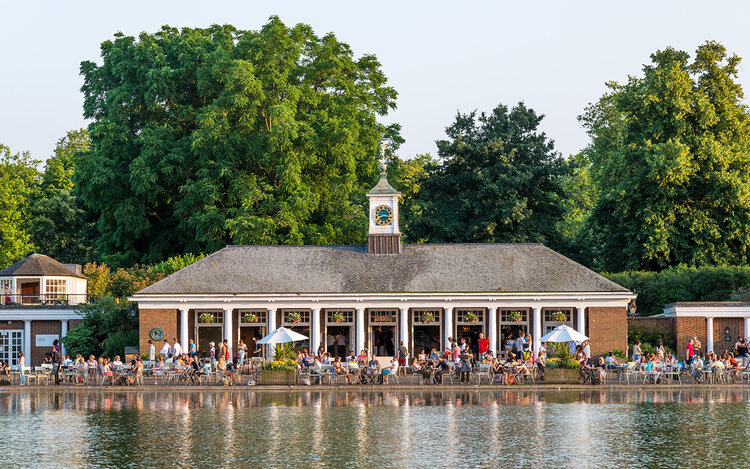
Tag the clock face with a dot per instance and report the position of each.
(383, 215)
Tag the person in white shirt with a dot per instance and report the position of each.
(67, 361)
(151, 351)
(117, 361)
(587, 350)
(177, 348)
(165, 349)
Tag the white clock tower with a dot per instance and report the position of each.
(383, 236)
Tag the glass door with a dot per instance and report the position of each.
(11, 344)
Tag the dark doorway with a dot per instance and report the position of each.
(339, 334)
(471, 334)
(383, 340)
(425, 339)
(206, 335)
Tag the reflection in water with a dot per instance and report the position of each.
(224, 428)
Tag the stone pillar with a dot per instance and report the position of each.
(315, 330)
(448, 327)
(228, 330)
(271, 327)
(184, 330)
(709, 335)
(360, 330)
(746, 332)
(581, 327)
(537, 329)
(63, 333)
(27, 341)
(403, 333)
(492, 334)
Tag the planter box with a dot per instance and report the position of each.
(278, 377)
(560, 376)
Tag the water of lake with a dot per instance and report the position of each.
(241, 428)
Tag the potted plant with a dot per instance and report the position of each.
(472, 317)
(294, 318)
(515, 316)
(206, 318)
(282, 370)
(337, 317)
(428, 317)
(250, 317)
(560, 316)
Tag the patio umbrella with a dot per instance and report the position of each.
(281, 335)
(563, 333)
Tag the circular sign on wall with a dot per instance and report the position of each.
(157, 333)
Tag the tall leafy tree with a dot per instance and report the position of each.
(407, 176)
(19, 186)
(59, 168)
(499, 180)
(207, 136)
(670, 157)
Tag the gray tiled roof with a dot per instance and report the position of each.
(419, 268)
(38, 264)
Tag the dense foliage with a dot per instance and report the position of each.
(19, 186)
(107, 327)
(657, 289)
(207, 136)
(498, 180)
(670, 158)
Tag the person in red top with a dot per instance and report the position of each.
(483, 345)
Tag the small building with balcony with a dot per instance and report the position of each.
(38, 305)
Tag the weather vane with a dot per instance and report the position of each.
(383, 157)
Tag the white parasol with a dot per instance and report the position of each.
(281, 335)
(563, 333)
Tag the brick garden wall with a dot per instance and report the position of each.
(685, 328)
(151, 318)
(735, 326)
(608, 329)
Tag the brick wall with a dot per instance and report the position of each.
(607, 329)
(651, 324)
(685, 329)
(13, 325)
(735, 326)
(42, 327)
(151, 318)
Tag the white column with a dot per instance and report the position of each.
(27, 341)
(360, 330)
(403, 334)
(63, 333)
(581, 327)
(537, 329)
(709, 335)
(184, 330)
(228, 330)
(492, 335)
(448, 327)
(315, 330)
(271, 327)
(746, 332)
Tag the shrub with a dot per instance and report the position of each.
(560, 350)
(281, 365)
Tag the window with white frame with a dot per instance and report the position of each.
(55, 287)
(208, 318)
(514, 316)
(426, 316)
(340, 316)
(6, 286)
(470, 316)
(558, 315)
(382, 316)
(295, 317)
(254, 316)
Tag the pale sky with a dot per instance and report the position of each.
(441, 57)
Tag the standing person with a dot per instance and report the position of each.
(165, 350)
(242, 351)
(330, 342)
(402, 354)
(227, 357)
(520, 344)
(177, 349)
(212, 354)
(690, 351)
(151, 351)
(193, 350)
(483, 345)
(465, 370)
(222, 352)
(340, 345)
(56, 359)
(637, 351)
(587, 351)
(21, 364)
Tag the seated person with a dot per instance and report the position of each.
(158, 368)
(610, 362)
(434, 355)
(390, 370)
(117, 361)
(67, 361)
(487, 359)
(415, 365)
(340, 370)
(422, 356)
(440, 368)
(362, 358)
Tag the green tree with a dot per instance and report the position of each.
(202, 137)
(58, 228)
(407, 177)
(670, 158)
(19, 186)
(107, 327)
(580, 197)
(499, 180)
(59, 169)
